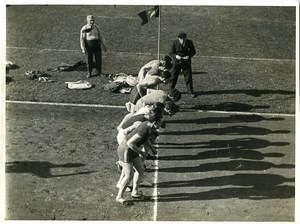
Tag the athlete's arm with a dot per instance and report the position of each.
(131, 143)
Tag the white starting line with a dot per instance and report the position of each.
(123, 107)
(66, 104)
(155, 189)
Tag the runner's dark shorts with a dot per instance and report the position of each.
(126, 154)
(134, 95)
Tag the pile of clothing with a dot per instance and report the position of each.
(39, 75)
(120, 83)
(81, 84)
(78, 66)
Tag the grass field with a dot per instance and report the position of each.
(61, 159)
(238, 60)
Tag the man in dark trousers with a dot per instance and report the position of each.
(90, 42)
(181, 52)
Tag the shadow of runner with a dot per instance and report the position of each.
(228, 106)
(229, 119)
(251, 92)
(232, 153)
(240, 143)
(252, 193)
(233, 165)
(233, 130)
(262, 181)
(41, 169)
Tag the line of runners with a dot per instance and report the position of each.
(140, 127)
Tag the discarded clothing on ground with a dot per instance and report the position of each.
(122, 77)
(45, 79)
(9, 79)
(39, 75)
(120, 83)
(78, 66)
(81, 84)
(10, 66)
(117, 87)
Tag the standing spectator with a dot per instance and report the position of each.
(182, 51)
(90, 43)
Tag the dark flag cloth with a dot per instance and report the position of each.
(148, 14)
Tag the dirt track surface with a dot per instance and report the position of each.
(214, 167)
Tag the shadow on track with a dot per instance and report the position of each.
(229, 106)
(239, 143)
(224, 153)
(251, 92)
(262, 181)
(233, 165)
(229, 119)
(41, 169)
(251, 193)
(233, 130)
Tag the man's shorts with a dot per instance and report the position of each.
(134, 95)
(126, 154)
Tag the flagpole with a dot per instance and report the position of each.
(158, 39)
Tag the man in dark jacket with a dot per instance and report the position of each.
(181, 52)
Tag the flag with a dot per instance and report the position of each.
(148, 14)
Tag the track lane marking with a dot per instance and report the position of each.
(67, 104)
(141, 53)
(155, 189)
(123, 107)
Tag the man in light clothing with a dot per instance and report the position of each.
(90, 43)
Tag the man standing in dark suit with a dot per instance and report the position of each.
(181, 52)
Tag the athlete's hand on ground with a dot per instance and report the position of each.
(186, 57)
(178, 57)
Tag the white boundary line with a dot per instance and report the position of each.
(123, 107)
(141, 53)
(243, 58)
(42, 49)
(66, 104)
(155, 189)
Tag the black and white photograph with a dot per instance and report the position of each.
(149, 111)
